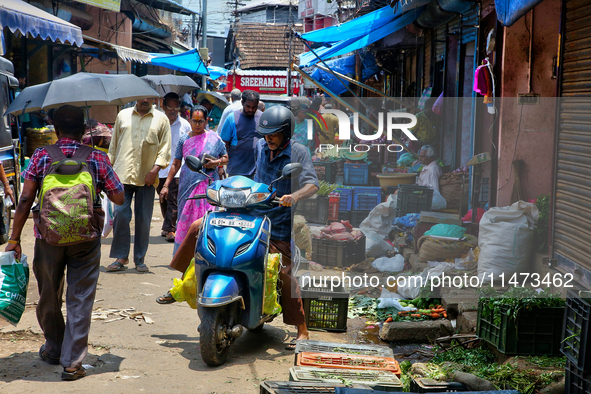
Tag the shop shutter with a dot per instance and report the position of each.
(572, 218)
(441, 40)
(469, 22)
(427, 62)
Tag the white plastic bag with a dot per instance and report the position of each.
(376, 227)
(388, 299)
(375, 246)
(394, 264)
(438, 201)
(108, 209)
(411, 288)
(505, 239)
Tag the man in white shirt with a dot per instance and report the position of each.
(431, 172)
(178, 128)
(236, 97)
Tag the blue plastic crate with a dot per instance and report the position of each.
(356, 174)
(366, 198)
(346, 202)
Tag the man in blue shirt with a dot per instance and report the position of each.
(239, 132)
(273, 153)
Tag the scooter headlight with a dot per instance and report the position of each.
(234, 198)
(213, 195)
(255, 198)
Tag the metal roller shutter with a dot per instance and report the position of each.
(441, 40)
(427, 61)
(572, 217)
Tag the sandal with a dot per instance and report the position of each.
(77, 374)
(170, 236)
(163, 233)
(48, 359)
(291, 345)
(166, 299)
(142, 268)
(116, 266)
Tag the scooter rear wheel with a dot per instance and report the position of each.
(212, 339)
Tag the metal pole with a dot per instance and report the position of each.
(193, 43)
(204, 41)
(289, 92)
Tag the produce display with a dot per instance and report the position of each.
(340, 231)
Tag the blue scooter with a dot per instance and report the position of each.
(231, 260)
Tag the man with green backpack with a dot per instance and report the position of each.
(67, 177)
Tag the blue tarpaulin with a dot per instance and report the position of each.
(509, 11)
(345, 66)
(187, 62)
(360, 32)
(217, 72)
(28, 19)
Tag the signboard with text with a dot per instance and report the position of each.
(264, 84)
(113, 5)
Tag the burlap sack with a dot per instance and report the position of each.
(302, 235)
(434, 249)
(450, 187)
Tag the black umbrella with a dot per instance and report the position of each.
(179, 84)
(82, 89)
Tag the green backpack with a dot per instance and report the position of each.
(66, 213)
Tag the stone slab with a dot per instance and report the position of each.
(467, 322)
(415, 332)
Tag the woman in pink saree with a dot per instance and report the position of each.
(198, 143)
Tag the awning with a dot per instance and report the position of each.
(27, 19)
(169, 5)
(188, 62)
(345, 66)
(124, 53)
(217, 72)
(510, 11)
(361, 32)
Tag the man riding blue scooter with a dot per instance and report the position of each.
(273, 154)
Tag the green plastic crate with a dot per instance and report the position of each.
(536, 331)
(377, 380)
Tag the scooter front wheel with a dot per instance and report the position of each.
(212, 339)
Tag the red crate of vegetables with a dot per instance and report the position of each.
(348, 361)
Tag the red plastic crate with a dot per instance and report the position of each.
(348, 361)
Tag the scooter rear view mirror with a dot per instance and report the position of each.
(292, 170)
(289, 171)
(193, 163)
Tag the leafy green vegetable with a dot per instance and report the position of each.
(480, 362)
(326, 188)
(543, 226)
(514, 301)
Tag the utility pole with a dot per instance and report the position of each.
(204, 40)
(290, 32)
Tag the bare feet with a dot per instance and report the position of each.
(302, 332)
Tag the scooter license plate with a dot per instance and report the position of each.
(231, 223)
